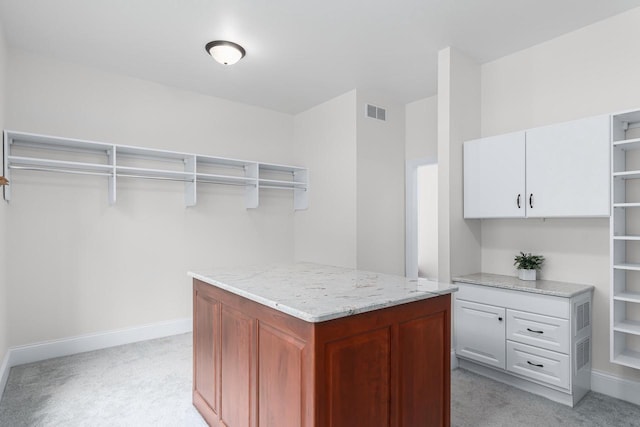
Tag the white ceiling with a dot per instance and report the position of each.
(299, 52)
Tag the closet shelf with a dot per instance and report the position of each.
(627, 297)
(627, 144)
(627, 358)
(626, 205)
(280, 168)
(125, 161)
(628, 327)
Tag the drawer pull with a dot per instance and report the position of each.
(535, 364)
(535, 332)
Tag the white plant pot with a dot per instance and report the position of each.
(527, 274)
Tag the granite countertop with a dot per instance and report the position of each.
(547, 287)
(317, 293)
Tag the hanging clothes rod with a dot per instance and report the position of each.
(182, 180)
(238, 184)
(159, 178)
(282, 188)
(120, 175)
(41, 169)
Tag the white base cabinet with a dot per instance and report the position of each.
(540, 343)
(481, 332)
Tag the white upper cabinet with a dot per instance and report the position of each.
(568, 169)
(494, 184)
(561, 170)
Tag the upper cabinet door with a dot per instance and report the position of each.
(568, 169)
(494, 177)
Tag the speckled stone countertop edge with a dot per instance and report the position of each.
(544, 287)
(336, 310)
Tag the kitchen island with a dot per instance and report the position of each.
(312, 345)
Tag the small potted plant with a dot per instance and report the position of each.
(527, 265)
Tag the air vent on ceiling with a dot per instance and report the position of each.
(374, 112)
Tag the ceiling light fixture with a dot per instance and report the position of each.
(225, 52)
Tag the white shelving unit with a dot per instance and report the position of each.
(625, 239)
(34, 152)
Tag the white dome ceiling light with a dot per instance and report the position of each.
(225, 52)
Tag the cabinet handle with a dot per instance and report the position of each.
(535, 332)
(535, 364)
(518, 201)
(531, 200)
(499, 319)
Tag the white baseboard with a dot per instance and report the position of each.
(614, 386)
(4, 373)
(79, 344)
(454, 360)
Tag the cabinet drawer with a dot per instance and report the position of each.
(541, 365)
(547, 332)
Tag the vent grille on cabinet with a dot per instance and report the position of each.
(583, 353)
(374, 112)
(583, 316)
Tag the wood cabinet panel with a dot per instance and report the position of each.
(358, 379)
(280, 378)
(424, 370)
(237, 363)
(206, 343)
(388, 367)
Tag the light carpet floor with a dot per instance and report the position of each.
(149, 384)
(477, 401)
(142, 384)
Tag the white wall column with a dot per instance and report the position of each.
(3, 223)
(458, 121)
(324, 140)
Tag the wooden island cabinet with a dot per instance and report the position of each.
(271, 363)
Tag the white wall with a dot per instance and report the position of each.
(325, 141)
(356, 212)
(421, 130)
(428, 221)
(421, 147)
(380, 186)
(3, 229)
(458, 121)
(76, 265)
(591, 71)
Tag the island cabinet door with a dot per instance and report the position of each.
(252, 364)
(206, 352)
(282, 380)
(386, 368)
